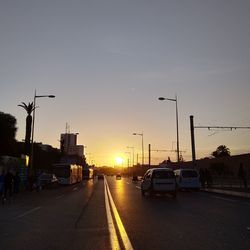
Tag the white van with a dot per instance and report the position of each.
(159, 180)
(187, 179)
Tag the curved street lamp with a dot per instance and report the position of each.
(177, 127)
(133, 161)
(129, 158)
(142, 146)
(33, 129)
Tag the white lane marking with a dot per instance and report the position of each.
(124, 236)
(248, 228)
(28, 212)
(74, 189)
(59, 197)
(112, 232)
(225, 199)
(138, 187)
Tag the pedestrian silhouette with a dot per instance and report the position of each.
(242, 175)
(16, 183)
(208, 178)
(202, 177)
(8, 184)
(2, 184)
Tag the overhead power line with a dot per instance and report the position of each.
(167, 150)
(221, 127)
(192, 128)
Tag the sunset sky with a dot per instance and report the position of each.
(108, 61)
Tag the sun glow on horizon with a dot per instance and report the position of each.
(119, 160)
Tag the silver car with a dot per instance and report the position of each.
(159, 180)
(187, 179)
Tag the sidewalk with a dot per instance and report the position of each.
(24, 196)
(234, 191)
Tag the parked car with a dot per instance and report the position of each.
(100, 177)
(159, 180)
(48, 180)
(187, 179)
(135, 178)
(118, 177)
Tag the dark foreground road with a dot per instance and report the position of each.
(76, 217)
(71, 217)
(195, 220)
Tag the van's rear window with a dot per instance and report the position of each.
(163, 174)
(189, 174)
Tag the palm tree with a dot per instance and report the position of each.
(221, 151)
(29, 109)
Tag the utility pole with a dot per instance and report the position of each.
(192, 139)
(192, 127)
(149, 154)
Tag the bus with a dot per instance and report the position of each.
(68, 173)
(87, 173)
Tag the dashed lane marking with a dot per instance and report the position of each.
(224, 199)
(28, 212)
(59, 197)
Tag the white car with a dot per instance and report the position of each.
(187, 179)
(159, 180)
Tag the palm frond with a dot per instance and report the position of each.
(23, 105)
(29, 108)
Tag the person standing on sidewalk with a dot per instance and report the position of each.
(208, 178)
(8, 182)
(242, 175)
(16, 183)
(2, 184)
(202, 177)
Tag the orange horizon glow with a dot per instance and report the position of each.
(119, 161)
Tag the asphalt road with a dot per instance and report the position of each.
(195, 220)
(83, 216)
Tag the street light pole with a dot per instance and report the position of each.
(133, 159)
(141, 146)
(129, 158)
(33, 130)
(177, 124)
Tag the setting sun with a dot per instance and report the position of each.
(119, 160)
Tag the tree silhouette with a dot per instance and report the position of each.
(221, 151)
(29, 109)
(7, 134)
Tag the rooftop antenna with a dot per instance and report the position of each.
(67, 128)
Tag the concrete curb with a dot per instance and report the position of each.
(227, 192)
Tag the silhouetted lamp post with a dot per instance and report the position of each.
(129, 158)
(133, 162)
(142, 146)
(33, 129)
(177, 129)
